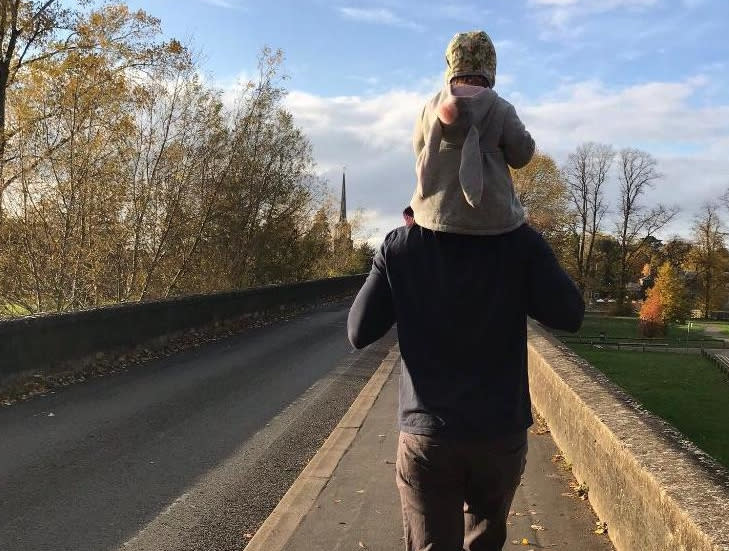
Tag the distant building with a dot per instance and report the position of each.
(343, 230)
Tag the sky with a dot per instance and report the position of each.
(650, 74)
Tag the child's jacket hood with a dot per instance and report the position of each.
(453, 116)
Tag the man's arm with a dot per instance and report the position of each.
(554, 299)
(372, 313)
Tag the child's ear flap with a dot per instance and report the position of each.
(426, 166)
(471, 171)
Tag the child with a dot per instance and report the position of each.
(465, 140)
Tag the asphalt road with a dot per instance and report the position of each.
(191, 452)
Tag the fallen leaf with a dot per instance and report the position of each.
(537, 527)
(601, 527)
(362, 545)
(360, 491)
(524, 541)
(337, 501)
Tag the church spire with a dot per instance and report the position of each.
(343, 208)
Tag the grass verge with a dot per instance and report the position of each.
(684, 389)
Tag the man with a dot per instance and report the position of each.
(409, 216)
(460, 293)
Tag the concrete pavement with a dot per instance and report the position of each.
(359, 508)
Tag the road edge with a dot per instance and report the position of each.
(283, 521)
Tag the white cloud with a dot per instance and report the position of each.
(371, 135)
(380, 16)
(561, 15)
(653, 113)
(230, 87)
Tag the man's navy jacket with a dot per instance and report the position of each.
(461, 303)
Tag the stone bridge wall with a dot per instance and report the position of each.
(655, 490)
(40, 343)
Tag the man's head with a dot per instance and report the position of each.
(409, 216)
(471, 54)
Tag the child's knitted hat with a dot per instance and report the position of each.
(471, 54)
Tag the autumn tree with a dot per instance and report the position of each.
(676, 251)
(27, 33)
(126, 178)
(37, 36)
(651, 316)
(671, 288)
(542, 190)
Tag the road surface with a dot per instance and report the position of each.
(222, 430)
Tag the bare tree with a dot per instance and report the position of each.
(638, 175)
(586, 173)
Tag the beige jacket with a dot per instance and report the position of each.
(465, 140)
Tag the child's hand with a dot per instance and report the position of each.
(447, 111)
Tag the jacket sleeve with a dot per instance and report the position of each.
(554, 300)
(517, 143)
(372, 313)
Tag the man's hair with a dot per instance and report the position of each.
(473, 80)
(408, 211)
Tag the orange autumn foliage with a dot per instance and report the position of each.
(652, 323)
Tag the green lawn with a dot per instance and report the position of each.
(627, 328)
(684, 389)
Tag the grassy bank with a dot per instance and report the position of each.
(684, 389)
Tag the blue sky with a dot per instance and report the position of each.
(642, 73)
